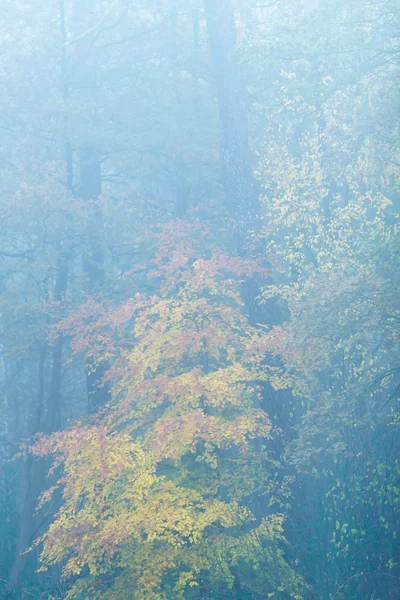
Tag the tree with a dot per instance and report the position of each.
(155, 491)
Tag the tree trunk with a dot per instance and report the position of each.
(240, 188)
(239, 185)
(93, 264)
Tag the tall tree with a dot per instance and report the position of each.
(237, 177)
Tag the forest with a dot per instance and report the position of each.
(199, 300)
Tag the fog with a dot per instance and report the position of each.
(199, 300)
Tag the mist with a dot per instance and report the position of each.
(199, 300)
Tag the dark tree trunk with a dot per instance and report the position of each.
(240, 188)
(94, 264)
(239, 185)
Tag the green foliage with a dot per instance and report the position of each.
(336, 251)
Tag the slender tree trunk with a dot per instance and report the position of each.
(94, 264)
